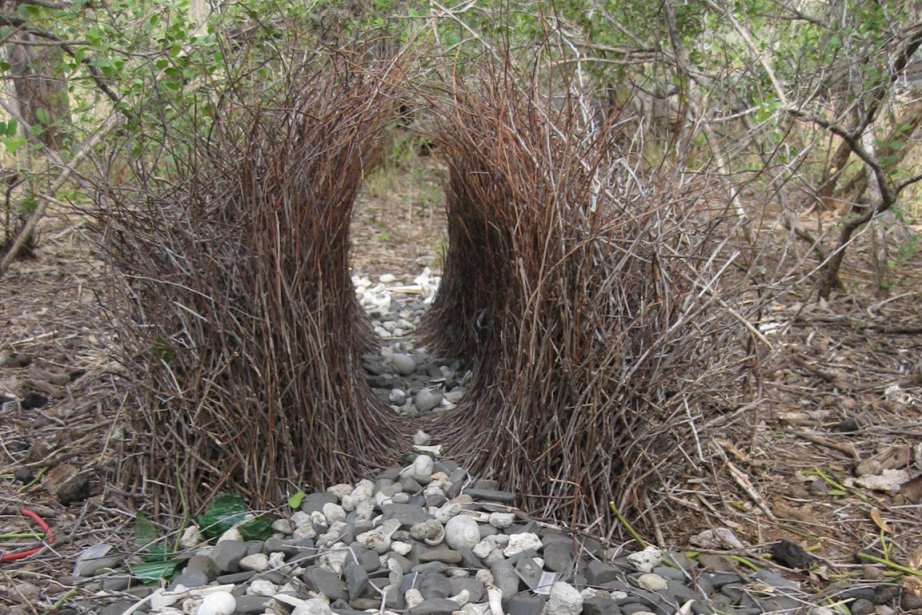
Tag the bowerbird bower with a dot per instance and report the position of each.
(581, 283)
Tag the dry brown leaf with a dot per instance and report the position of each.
(879, 521)
(913, 585)
(912, 489)
(915, 558)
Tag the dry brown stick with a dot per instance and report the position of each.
(848, 449)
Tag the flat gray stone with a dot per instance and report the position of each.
(249, 605)
(448, 556)
(314, 502)
(194, 578)
(325, 582)
(529, 571)
(505, 578)
(492, 495)
(476, 589)
(558, 556)
(435, 606)
(523, 604)
(236, 577)
(434, 586)
(427, 399)
(203, 564)
(227, 555)
(408, 514)
(357, 581)
(598, 573)
(670, 573)
(116, 608)
(598, 605)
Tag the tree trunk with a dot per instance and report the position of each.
(892, 151)
(42, 97)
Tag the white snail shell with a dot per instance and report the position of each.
(218, 603)
(462, 532)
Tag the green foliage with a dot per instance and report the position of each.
(229, 510)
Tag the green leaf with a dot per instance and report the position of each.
(259, 528)
(41, 114)
(295, 500)
(225, 512)
(161, 349)
(148, 541)
(152, 572)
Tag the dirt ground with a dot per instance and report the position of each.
(842, 386)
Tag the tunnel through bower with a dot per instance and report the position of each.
(568, 283)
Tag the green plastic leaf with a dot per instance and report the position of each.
(257, 529)
(152, 572)
(147, 541)
(161, 349)
(226, 511)
(295, 500)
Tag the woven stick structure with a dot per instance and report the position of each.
(243, 326)
(582, 285)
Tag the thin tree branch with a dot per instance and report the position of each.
(69, 168)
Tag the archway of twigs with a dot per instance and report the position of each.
(579, 283)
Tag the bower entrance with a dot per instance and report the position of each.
(398, 241)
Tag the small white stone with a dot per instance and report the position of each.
(401, 548)
(318, 518)
(335, 558)
(336, 532)
(304, 532)
(522, 542)
(191, 538)
(350, 502)
(592, 592)
(616, 595)
(462, 598)
(564, 600)
(301, 519)
(376, 540)
(482, 548)
(364, 489)
(256, 562)
(365, 510)
(276, 559)
(387, 278)
(646, 560)
(401, 498)
(231, 534)
(341, 490)
(421, 438)
(413, 597)
(314, 606)
(501, 520)
(403, 363)
(334, 512)
(420, 469)
(218, 603)
(446, 511)
(283, 526)
(262, 587)
(652, 582)
(484, 576)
